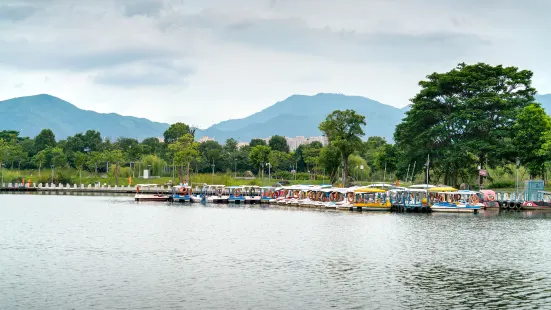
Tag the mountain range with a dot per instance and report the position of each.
(298, 115)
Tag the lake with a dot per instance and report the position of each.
(67, 252)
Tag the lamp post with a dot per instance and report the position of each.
(148, 173)
(361, 173)
(516, 185)
(52, 174)
(262, 172)
(235, 171)
(212, 181)
(2, 166)
(269, 173)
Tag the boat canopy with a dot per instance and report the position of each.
(422, 186)
(443, 189)
(147, 185)
(381, 185)
(369, 190)
(181, 186)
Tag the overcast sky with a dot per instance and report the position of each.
(203, 61)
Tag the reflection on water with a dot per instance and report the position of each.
(59, 252)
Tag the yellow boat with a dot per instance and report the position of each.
(371, 199)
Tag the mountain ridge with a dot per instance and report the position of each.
(297, 115)
(31, 114)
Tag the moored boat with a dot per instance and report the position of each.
(148, 196)
(371, 199)
(449, 199)
(181, 193)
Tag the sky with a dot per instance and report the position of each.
(204, 61)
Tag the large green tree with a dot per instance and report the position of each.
(532, 139)
(176, 131)
(260, 154)
(184, 150)
(278, 143)
(464, 118)
(44, 139)
(343, 130)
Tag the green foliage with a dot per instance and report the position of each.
(343, 130)
(279, 143)
(464, 117)
(259, 154)
(330, 161)
(532, 138)
(280, 160)
(44, 139)
(176, 131)
(257, 142)
(184, 150)
(57, 157)
(230, 146)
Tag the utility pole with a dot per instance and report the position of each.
(413, 171)
(269, 173)
(212, 181)
(384, 175)
(262, 169)
(516, 185)
(407, 175)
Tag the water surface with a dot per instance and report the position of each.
(66, 252)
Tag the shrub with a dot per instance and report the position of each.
(502, 184)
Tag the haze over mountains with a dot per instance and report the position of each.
(298, 115)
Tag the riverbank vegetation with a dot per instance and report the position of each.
(470, 118)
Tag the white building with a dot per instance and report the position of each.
(205, 138)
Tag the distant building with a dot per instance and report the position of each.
(295, 142)
(205, 138)
(242, 144)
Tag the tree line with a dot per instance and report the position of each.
(90, 151)
(472, 117)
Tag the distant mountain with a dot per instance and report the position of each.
(31, 114)
(298, 115)
(301, 115)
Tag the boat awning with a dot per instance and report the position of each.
(369, 190)
(442, 189)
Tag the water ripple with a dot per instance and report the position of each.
(59, 252)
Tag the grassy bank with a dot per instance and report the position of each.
(72, 176)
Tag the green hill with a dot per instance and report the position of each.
(31, 114)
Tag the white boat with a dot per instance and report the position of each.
(149, 196)
(252, 194)
(448, 199)
(217, 194)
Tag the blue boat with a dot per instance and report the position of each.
(449, 199)
(181, 193)
(236, 194)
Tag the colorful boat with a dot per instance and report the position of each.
(371, 199)
(542, 202)
(409, 199)
(489, 199)
(449, 199)
(235, 194)
(251, 194)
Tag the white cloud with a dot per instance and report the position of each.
(205, 61)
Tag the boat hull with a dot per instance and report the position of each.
(142, 197)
